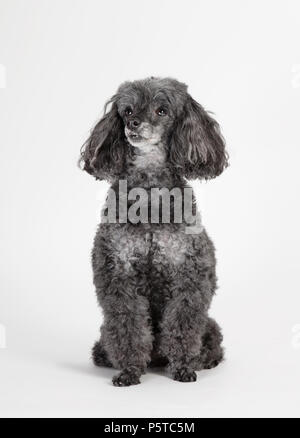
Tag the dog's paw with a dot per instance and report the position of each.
(185, 375)
(127, 377)
(212, 362)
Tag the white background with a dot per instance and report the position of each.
(61, 60)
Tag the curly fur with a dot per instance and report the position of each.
(153, 281)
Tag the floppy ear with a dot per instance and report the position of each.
(197, 147)
(103, 154)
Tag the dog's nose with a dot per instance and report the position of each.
(133, 124)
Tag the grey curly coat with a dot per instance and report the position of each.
(154, 281)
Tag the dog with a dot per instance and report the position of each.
(154, 280)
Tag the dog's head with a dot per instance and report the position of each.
(156, 111)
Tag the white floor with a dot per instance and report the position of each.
(51, 376)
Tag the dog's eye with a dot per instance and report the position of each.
(161, 111)
(128, 111)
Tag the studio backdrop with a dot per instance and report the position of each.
(60, 61)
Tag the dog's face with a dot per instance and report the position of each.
(156, 111)
(148, 109)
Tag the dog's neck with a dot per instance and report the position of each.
(147, 167)
(149, 157)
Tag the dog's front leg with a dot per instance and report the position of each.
(182, 328)
(126, 333)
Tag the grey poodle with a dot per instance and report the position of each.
(154, 280)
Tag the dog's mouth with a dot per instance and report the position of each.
(133, 136)
(139, 138)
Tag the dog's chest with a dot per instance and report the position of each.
(151, 249)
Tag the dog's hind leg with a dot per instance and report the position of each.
(212, 352)
(99, 356)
